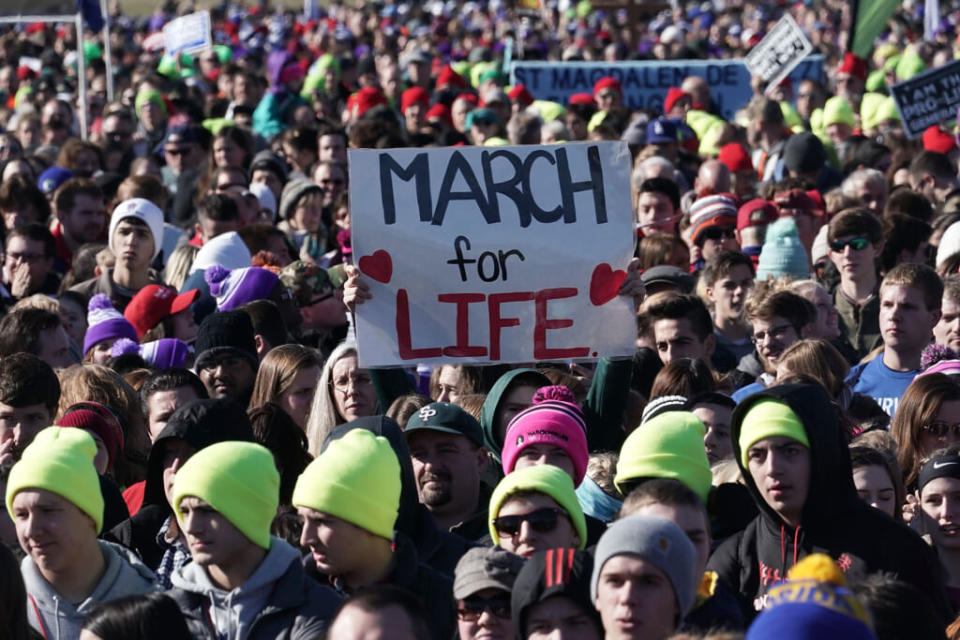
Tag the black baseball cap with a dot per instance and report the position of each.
(446, 418)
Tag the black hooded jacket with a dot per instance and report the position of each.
(834, 521)
(199, 423)
(436, 548)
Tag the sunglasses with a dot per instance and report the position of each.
(318, 300)
(942, 429)
(541, 521)
(716, 233)
(471, 610)
(857, 244)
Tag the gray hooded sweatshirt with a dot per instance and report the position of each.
(234, 613)
(57, 619)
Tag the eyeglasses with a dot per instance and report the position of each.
(776, 334)
(942, 429)
(857, 244)
(541, 521)
(471, 610)
(716, 233)
(343, 383)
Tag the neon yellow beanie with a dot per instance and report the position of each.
(887, 110)
(910, 64)
(239, 480)
(60, 460)
(547, 479)
(769, 418)
(668, 446)
(357, 479)
(838, 111)
(869, 104)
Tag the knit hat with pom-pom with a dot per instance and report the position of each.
(105, 323)
(558, 422)
(812, 603)
(159, 354)
(783, 253)
(236, 288)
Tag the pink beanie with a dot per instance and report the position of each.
(549, 422)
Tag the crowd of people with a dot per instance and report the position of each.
(189, 447)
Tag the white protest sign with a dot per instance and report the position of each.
(774, 57)
(188, 34)
(492, 254)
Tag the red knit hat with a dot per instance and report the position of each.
(607, 82)
(412, 96)
(520, 94)
(735, 157)
(469, 97)
(440, 112)
(96, 418)
(580, 98)
(449, 77)
(854, 65)
(936, 139)
(155, 302)
(365, 99)
(674, 94)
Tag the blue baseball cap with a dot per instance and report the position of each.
(661, 131)
(51, 179)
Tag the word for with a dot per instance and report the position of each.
(497, 261)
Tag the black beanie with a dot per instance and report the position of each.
(804, 153)
(226, 330)
(554, 572)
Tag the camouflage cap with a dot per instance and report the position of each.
(305, 280)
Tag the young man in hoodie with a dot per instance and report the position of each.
(152, 531)
(349, 499)
(780, 436)
(243, 582)
(53, 494)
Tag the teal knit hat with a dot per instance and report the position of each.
(783, 253)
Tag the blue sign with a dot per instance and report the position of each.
(645, 83)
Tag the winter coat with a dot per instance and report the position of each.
(277, 602)
(861, 539)
(57, 619)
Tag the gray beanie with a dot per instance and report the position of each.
(293, 191)
(658, 541)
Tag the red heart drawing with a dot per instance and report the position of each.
(604, 284)
(378, 266)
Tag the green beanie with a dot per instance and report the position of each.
(769, 418)
(547, 479)
(869, 104)
(887, 110)
(357, 479)
(668, 446)
(239, 480)
(149, 95)
(876, 81)
(224, 53)
(791, 117)
(60, 460)
(838, 111)
(910, 64)
(549, 111)
(91, 51)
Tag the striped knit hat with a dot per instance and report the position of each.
(708, 211)
(554, 572)
(553, 422)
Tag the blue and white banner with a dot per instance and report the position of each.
(645, 83)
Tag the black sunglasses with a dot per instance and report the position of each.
(470, 610)
(541, 521)
(716, 233)
(317, 300)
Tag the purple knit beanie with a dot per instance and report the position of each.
(105, 323)
(236, 288)
(159, 354)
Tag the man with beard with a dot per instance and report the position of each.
(446, 447)
(81, 219)
(227, 355)
(947, 331)
(777, 320)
